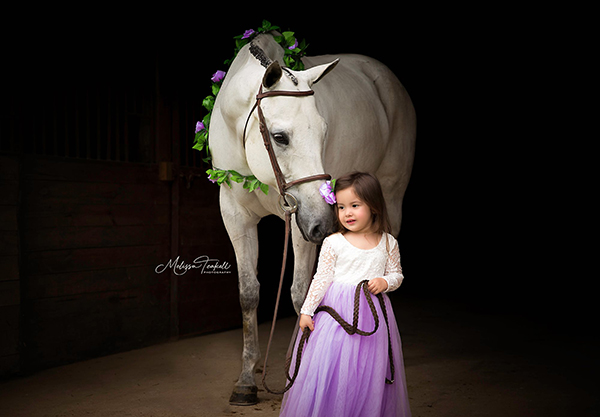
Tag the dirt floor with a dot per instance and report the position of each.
(458, 363)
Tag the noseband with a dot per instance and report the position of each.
(287, 201)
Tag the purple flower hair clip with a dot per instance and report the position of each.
(327, 191)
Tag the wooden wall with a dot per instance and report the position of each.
(10, 277)
(91, 235)
(79, 268)
(94, 180)
(206, 302)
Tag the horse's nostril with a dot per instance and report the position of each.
(317, 232)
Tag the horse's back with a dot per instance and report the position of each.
(371, 124)
(365, 106)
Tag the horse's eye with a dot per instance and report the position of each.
(281, 138)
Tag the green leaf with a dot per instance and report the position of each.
(264, 188)
(289, 36)
(236, 176)
(266, 26)
(253, 185)
(215, 89)
(240, 43)
(289, 61)
(209, 102)
(198, 146)
(206, 120)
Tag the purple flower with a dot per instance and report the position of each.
(199, 127)
(211, 180)
(218, 76)
(327, 193)
(294, 45)
(248, 33)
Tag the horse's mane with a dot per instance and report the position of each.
(258, 53)
(265, 50)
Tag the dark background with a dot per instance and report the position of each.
(484, 219)
(483, 214)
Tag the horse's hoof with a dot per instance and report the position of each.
(245, 395)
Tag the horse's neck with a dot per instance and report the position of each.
(236, 100)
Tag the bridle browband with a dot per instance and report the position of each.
(287, 201)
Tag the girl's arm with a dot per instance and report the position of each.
(306, 321)
(393, 269)
(322, 279)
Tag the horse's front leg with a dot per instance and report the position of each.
(241, 225)
(304, 263)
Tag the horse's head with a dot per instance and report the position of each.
(297, 132)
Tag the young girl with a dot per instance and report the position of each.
(343, 375)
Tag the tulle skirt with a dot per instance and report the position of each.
(344, 375)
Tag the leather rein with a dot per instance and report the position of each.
(287, 202)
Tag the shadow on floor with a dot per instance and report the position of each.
(460, 361)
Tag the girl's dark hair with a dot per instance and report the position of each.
(368, 189)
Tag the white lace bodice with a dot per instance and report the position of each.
(340, 261)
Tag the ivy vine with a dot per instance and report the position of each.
(293, 51)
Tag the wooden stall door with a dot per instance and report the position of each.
(205, 284)
(92, 234)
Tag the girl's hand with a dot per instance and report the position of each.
(307, 321)
(377, 285)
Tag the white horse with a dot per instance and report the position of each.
(359, 119)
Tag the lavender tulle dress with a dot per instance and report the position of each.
(344, 375)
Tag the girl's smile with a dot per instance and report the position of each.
(353, 213)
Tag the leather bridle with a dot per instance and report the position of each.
(287, 201)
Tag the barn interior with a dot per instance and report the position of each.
(101, 186)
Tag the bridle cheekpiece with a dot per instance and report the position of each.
(287, 202)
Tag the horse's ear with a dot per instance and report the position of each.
(315, 74)
(272, 75)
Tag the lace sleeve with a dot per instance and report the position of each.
(393, 269)
(322, 279)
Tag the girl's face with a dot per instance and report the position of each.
(353, 213)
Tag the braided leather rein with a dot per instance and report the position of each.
(349, 328)
(289, 205)
(287, 202)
